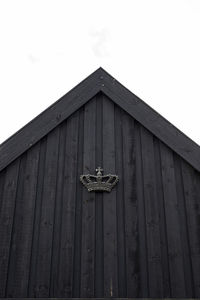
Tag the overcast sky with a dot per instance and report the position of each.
(151, 46)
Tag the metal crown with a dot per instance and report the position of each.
(99, 182)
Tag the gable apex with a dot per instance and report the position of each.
(99, 81)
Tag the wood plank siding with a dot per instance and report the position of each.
(141, 240)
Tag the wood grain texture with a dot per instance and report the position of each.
(191, 181)
(152, 215)
(31, 133)
(173, 226)
(142, 235)
(189, 282)
(130, 205)
(109, 203)
(152, 120)
(7, 213)
(162, 220)
(23, 225)
(88, 203)
(44, 254)
(99, 226)
(140, 240)
(15, 257)
(76, 287)
(54, 285)
(68, 206)
(37, 215)
(99, 81)
(120, 209)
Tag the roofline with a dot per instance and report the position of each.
(99, 81)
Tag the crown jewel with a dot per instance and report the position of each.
(99, 182)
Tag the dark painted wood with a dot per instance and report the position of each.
(150, 119)
(2, 183)
(130, 206)
(54, 285)
(76, 288)
(68, 207)
(175, 252)
(120, 213)
(99, 81)
(152, 215)
(99, 241)
(37, 215)
(191, 181)
(95, 298)
(6, 221)
(140, 240)
(189, 284)
(88, 203)
(44, 253)
(109, 203)
(23, 225)
(162, 220)
(15, 258)
(49, 119)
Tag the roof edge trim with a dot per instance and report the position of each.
(99, 81)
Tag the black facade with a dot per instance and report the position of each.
(141, 240)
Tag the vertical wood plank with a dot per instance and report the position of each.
(152, 215)
(196, 252)
(163, 230)
(130, 203)
(99, 241)
(172, 224)
(142, 235)
(2, 181)
(120, 210)
(36, 225)
(23, 225)
(66, 256)
(140, 240)
(191, 182)
(6, 221)
(54, 287)
(187, 263)
(47, 216)
(78, 212)
(109, 202)
(88, 204)
(11, 286)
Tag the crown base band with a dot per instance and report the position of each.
(99, 188)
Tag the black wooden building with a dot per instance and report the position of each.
(142, 239)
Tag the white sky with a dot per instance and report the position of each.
(151, 46)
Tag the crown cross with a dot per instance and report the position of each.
(99, 182)
(98, 170)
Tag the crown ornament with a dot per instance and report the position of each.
(99, 182)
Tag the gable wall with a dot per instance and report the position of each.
(140, 240)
